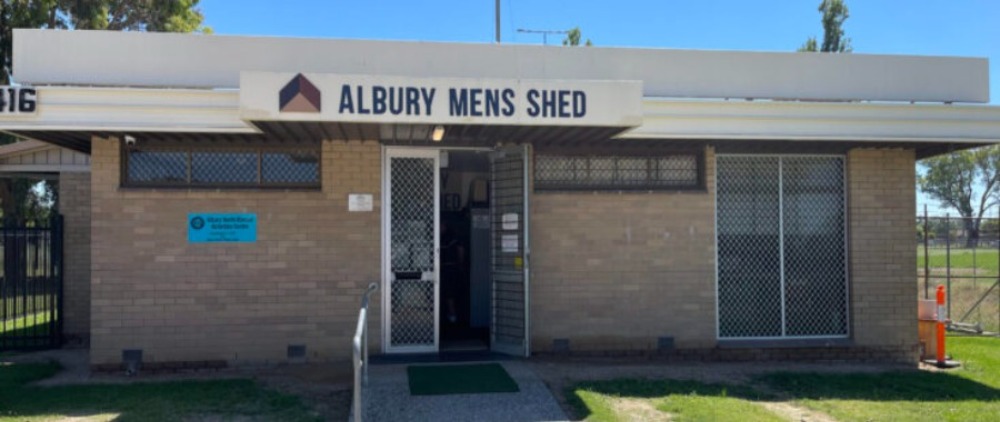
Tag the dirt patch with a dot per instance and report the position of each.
(794, 412)
(638, 410)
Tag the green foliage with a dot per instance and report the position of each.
(149, 401)
(573, 38)
(809, 46)
(834, 14)
(968, 181)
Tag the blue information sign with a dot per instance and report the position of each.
(213, 228)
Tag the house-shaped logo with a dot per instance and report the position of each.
(299, 96)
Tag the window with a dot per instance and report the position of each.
(250, 167)
(782, 253)
(654, 171)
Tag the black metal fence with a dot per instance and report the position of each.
(31, 284)
(962, 254)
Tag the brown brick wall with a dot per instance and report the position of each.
(610, 271)
(300, 283)
(882, 203)
(613, 272)
(618, 270)
(74, 205)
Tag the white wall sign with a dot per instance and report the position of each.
(509, 221)
(360, 202)
(509, 243)
(392, 99)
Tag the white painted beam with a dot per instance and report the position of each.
(110, 58)
(218, 111)
(786, 120)
(132, 109)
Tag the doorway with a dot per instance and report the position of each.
(465, 250)
(455, 250)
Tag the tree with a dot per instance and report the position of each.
(17, 196)
(573, 37)
(968, 181)
(834, 14)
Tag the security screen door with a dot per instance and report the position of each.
(781, 247)
(412, 279)
(511, 252)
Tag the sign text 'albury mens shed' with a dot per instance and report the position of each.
(392, 99)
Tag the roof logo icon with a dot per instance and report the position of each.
(299, 96)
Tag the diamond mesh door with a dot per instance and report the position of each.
(412, 237)
(510, 251)
(781, 246)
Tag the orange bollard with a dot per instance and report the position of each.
(940, 326)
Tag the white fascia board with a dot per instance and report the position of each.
(132, 109)
(218, 111)
(113, 58)
(791, 120)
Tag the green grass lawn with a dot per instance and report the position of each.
(28, 324)
(971, 393)
(27, 332)
(181, 400)
(681, 400)
(985, 261)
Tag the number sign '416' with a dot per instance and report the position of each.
(17, 99)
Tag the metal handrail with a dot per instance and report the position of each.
(360, 346)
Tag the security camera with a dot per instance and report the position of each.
(129, 140)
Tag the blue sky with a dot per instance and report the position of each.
(922, 27)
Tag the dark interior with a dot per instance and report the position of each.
(465, 251)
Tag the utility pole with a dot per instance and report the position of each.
(545, 33)
(498, 20)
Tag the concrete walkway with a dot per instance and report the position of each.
(388, 399)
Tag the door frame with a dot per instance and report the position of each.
(389, 152)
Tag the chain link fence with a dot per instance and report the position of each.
(962, 254)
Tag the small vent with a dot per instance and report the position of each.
(296, 351)
(560, 345)
(665, 343)
(132, 359)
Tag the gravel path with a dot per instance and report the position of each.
(389, 399)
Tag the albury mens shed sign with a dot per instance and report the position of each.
(222, 228)
(393, 99)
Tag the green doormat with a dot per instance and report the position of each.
(459, 379)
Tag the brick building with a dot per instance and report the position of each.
(243, 192)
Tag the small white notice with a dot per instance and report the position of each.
(508, 243)
(481, 222)
(360, 202)
(509, 221)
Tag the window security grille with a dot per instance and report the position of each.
(781, 247)
(618, 172)
(201, 167)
